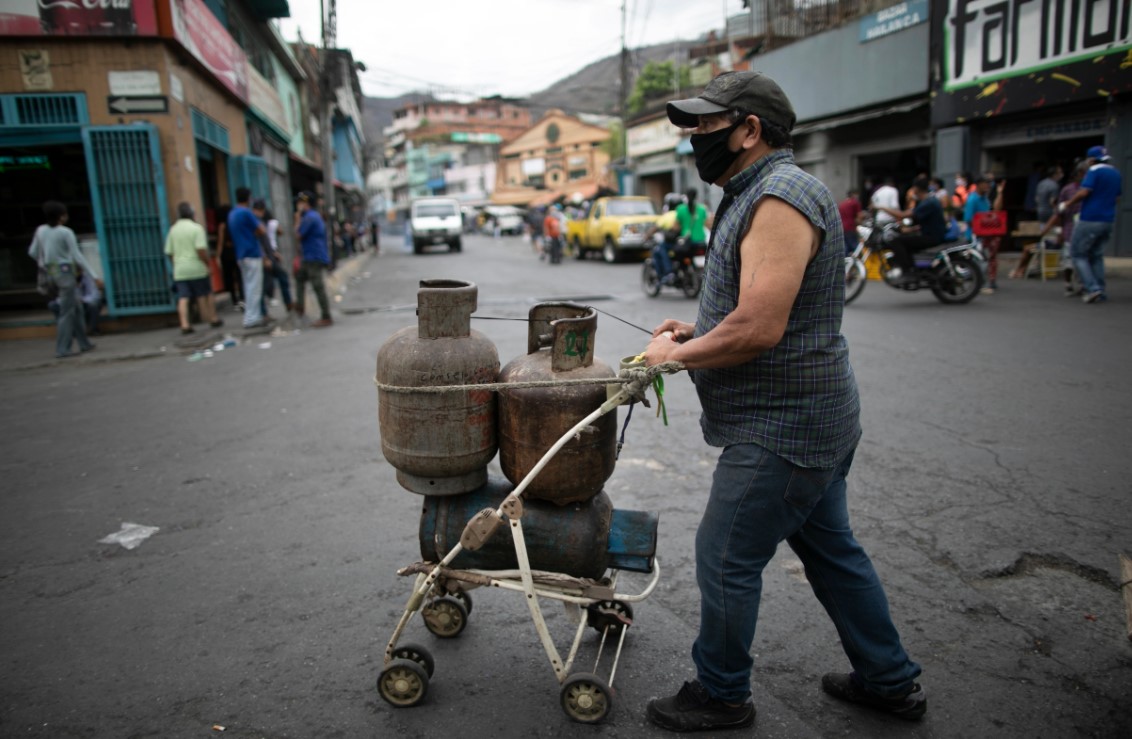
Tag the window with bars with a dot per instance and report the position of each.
(43, 110)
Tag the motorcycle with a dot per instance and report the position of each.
(953, 271)
(687, 271)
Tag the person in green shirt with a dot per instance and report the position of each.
(692, 217)
(187, 247)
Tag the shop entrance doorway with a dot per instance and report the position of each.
(29, 176)
(902, 165)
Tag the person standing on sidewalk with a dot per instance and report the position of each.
(246, 232)
(55, 249)
(274, 269)
(1098, 193)
(187, 246)
(772, 371)
(311, 230)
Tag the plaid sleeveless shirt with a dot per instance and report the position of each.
(798, 399)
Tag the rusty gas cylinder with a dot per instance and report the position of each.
(439, 443)
(560, 346)
(579, 539)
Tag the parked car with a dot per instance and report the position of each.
(615, 227)
(436, 221)
(509, 217)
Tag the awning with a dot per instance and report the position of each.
(859, 116)
(305, 165)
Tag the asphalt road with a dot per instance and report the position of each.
(991, 488)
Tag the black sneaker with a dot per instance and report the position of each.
(847, 686)
(692, 709)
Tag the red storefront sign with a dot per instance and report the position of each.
(198, 30)
(78, 18)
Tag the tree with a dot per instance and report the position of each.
(614, 145)
(657, 79)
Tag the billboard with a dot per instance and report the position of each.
(77, 18)
(197, 29)
(993, 57)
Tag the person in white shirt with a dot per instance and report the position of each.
(885, 196)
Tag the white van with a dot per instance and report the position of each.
(435, 221)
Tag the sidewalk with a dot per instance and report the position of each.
(35, 353)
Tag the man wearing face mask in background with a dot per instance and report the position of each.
(772, 372)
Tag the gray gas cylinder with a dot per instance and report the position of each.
(440, 443)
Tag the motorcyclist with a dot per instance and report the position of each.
(929, 229)
(693, 219)
(667, 228)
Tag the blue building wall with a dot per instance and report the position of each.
(347, 153)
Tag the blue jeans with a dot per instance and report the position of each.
(277, 273)
(252, 271)
(1087, 248)
(661, 259)
(757, 500)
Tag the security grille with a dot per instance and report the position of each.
(43, 110)
(128, 188)
(209, 131)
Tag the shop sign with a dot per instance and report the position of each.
(994, 58)
(1050, 129)
(988, 40)
(144, 82)
(176, 88)
(78, 18)
(891, 20)
(35, 68)
(533, 167)
(30, 161)
(648, 138)
(263, 97)
(462, 137)
(203, 36)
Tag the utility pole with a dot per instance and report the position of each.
(327, 80)
(624, 92)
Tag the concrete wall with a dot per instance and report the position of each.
(834, 72)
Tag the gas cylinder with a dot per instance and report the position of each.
(578, 539)
(440, 443)
(560, 346)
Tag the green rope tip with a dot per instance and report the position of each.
(658, 386)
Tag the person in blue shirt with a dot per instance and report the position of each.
(930, 227)
(246, 230)
(978, 201)
(315, 259)
(1098, 193)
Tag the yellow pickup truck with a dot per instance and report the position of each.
(615, 227)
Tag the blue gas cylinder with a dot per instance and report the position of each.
(581, 539)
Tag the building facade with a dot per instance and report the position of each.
(557, 158)
(1014, 98)
(122, 112)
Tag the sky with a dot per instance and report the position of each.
(475, 48)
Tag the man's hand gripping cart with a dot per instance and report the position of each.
(440, 593)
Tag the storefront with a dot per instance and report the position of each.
(1016, 98)
(657, 168)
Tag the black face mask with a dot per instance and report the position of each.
(713, 156)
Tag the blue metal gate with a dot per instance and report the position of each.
(127, 184)
(250, 172)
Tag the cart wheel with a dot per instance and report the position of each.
(464, 597)
(403, 683)
(609, 614)
(416, 653)
(445, 617)
(586, 698)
